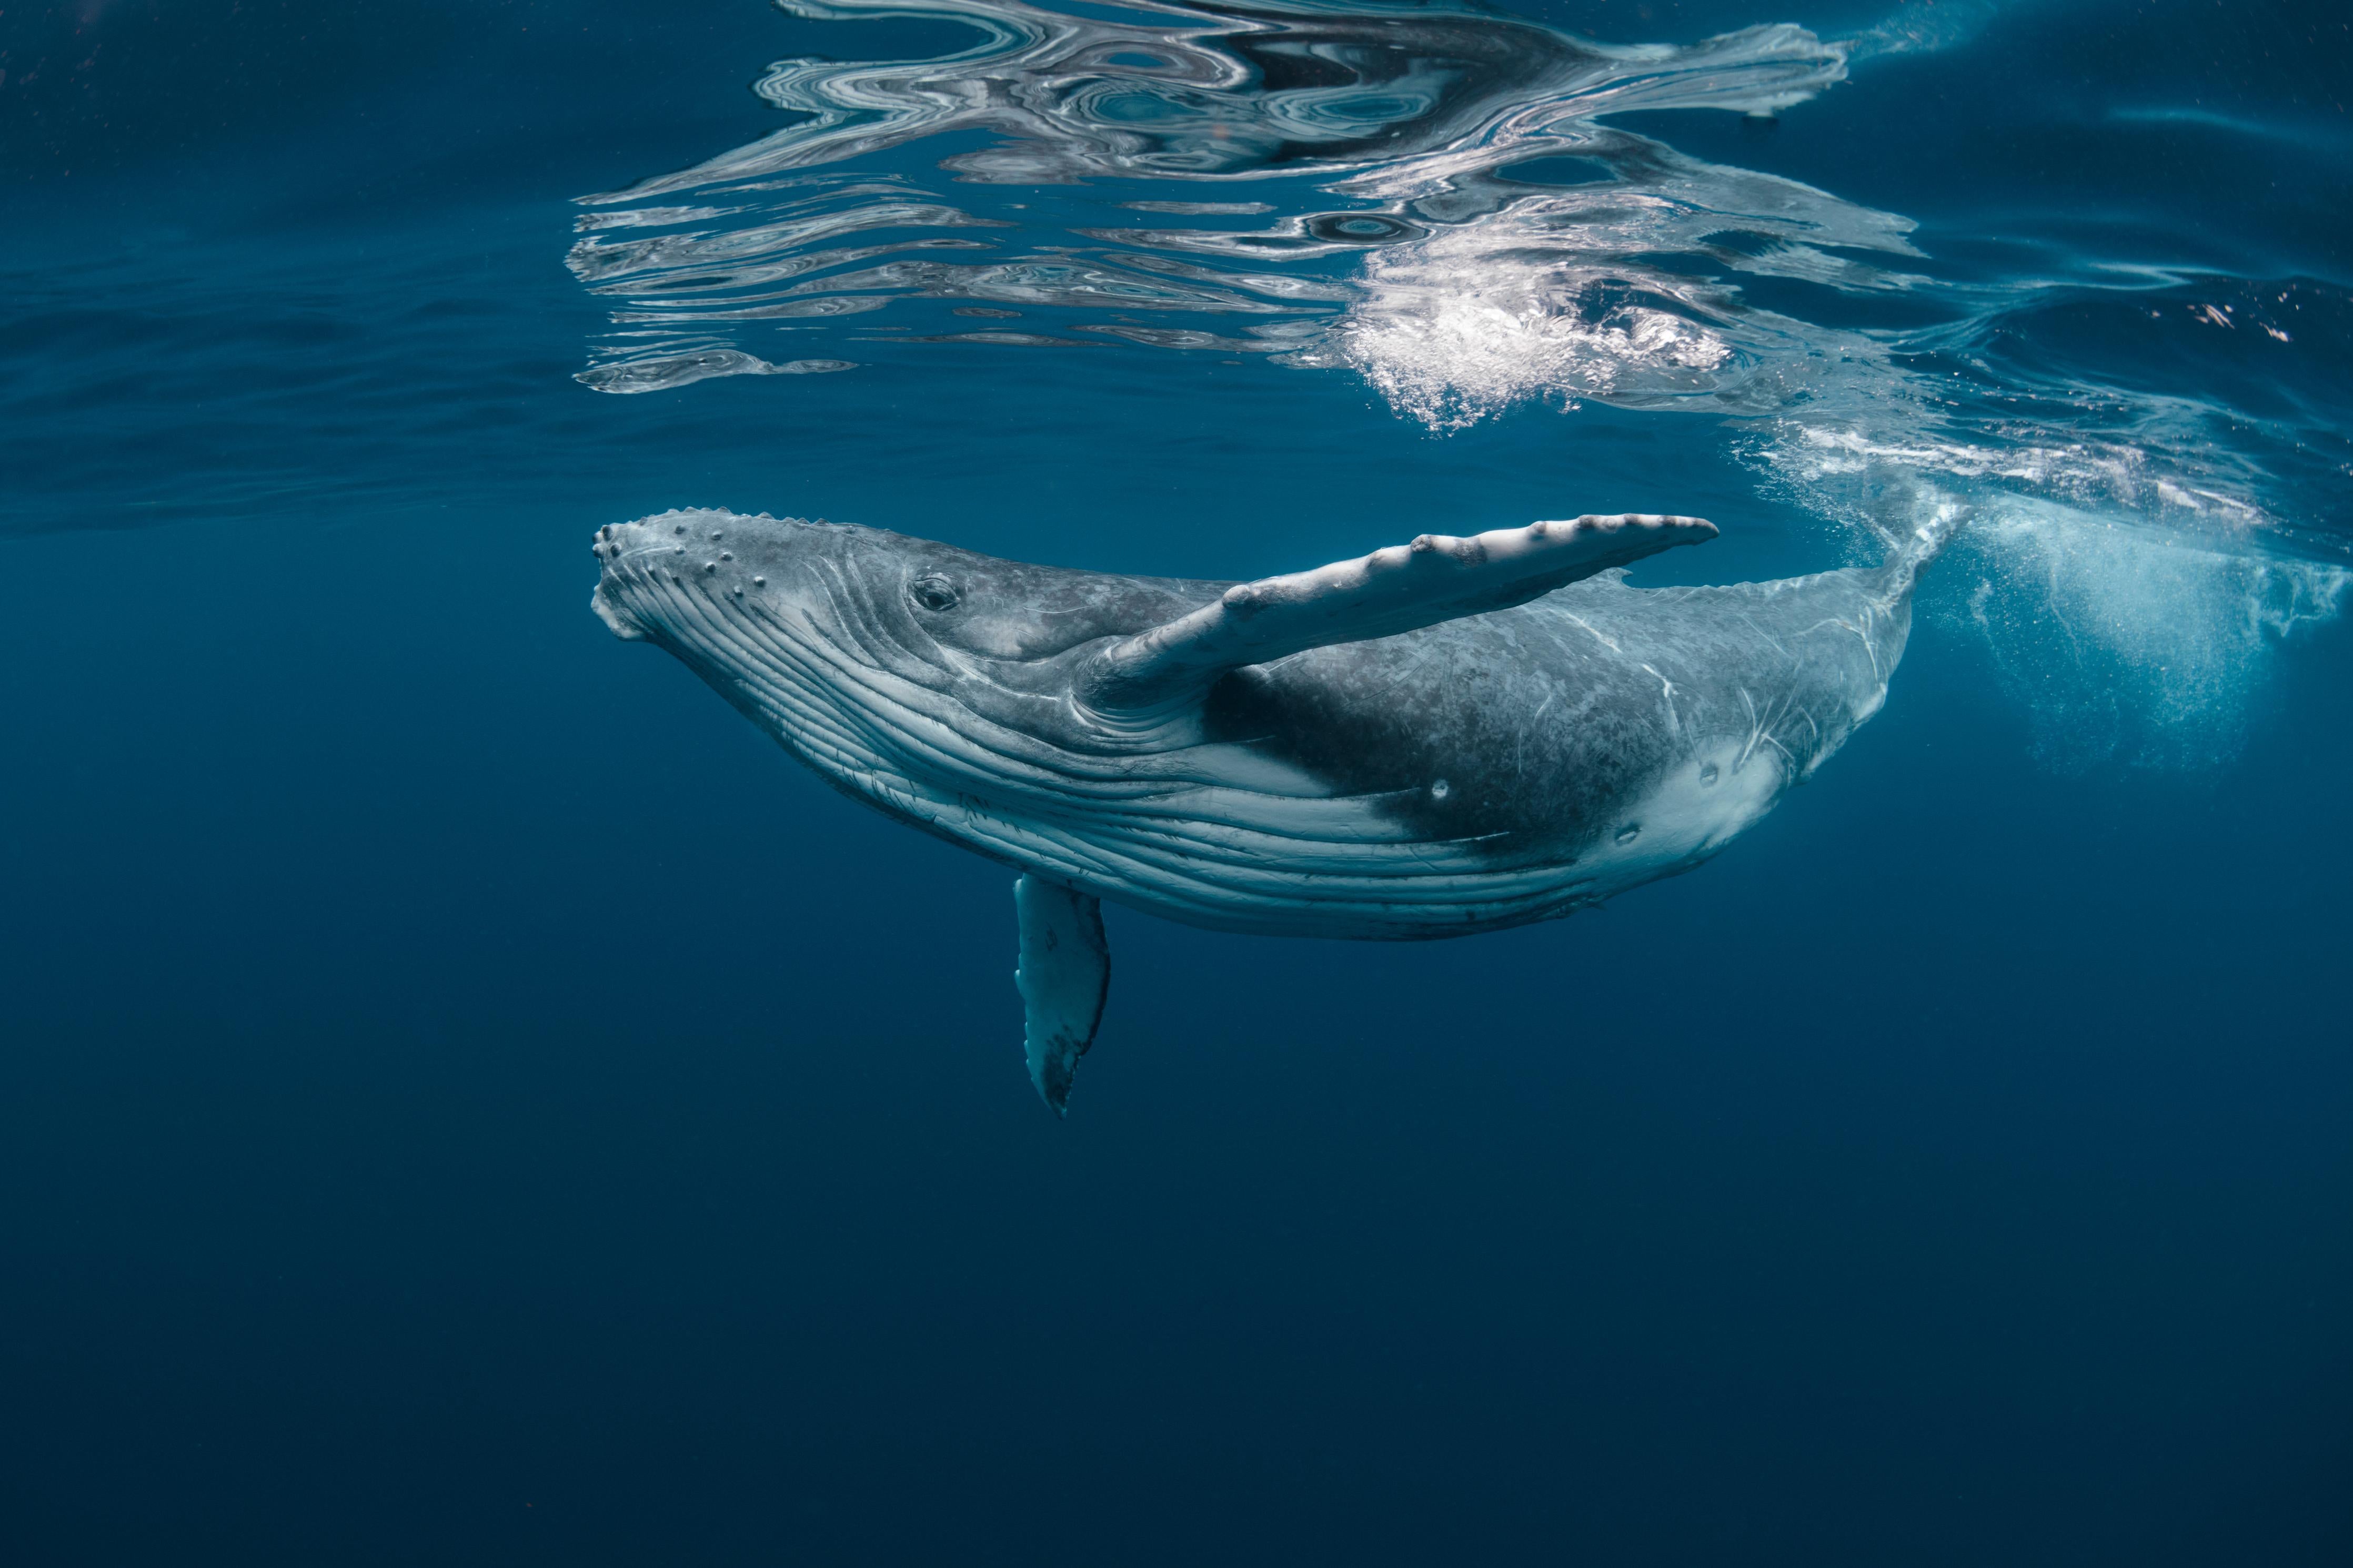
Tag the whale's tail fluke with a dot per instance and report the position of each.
(1915, 540)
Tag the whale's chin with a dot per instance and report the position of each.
(615, 617)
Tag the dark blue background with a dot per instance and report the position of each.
(466, 1097)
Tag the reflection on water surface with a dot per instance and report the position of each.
(1438, 200)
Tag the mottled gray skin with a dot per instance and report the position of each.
(1554, 723)
(1489, 771)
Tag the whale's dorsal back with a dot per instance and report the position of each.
(1438, 577)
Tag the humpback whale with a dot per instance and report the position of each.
(1445, 737)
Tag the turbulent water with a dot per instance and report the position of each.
(465, 1096)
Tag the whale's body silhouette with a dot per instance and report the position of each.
(1453, 736)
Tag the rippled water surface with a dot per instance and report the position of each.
(466, 1097)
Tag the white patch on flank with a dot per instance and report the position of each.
(1686, 816)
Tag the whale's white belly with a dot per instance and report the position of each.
(1297, 860)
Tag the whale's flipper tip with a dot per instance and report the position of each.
(1064, 975)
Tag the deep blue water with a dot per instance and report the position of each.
(465, 1096)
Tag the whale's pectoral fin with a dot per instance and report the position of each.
(1064, 975)
(1436, 578)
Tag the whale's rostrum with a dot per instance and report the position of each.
(1450, 736)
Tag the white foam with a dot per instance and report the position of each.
(2087, 472)
(2130, 615)
(2125, 644)
(1451, 345)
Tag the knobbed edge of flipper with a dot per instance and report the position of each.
(1064, 977)
(1402, 588)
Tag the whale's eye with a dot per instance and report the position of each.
(934, 592)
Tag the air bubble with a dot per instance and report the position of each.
(1707, 774)
(1441, 790)
(1630, 832)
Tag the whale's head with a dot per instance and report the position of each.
(872, 651)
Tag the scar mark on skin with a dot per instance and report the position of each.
(1598, 636)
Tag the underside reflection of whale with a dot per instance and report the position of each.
(1453, 736)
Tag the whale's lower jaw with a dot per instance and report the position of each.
(617, 618)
